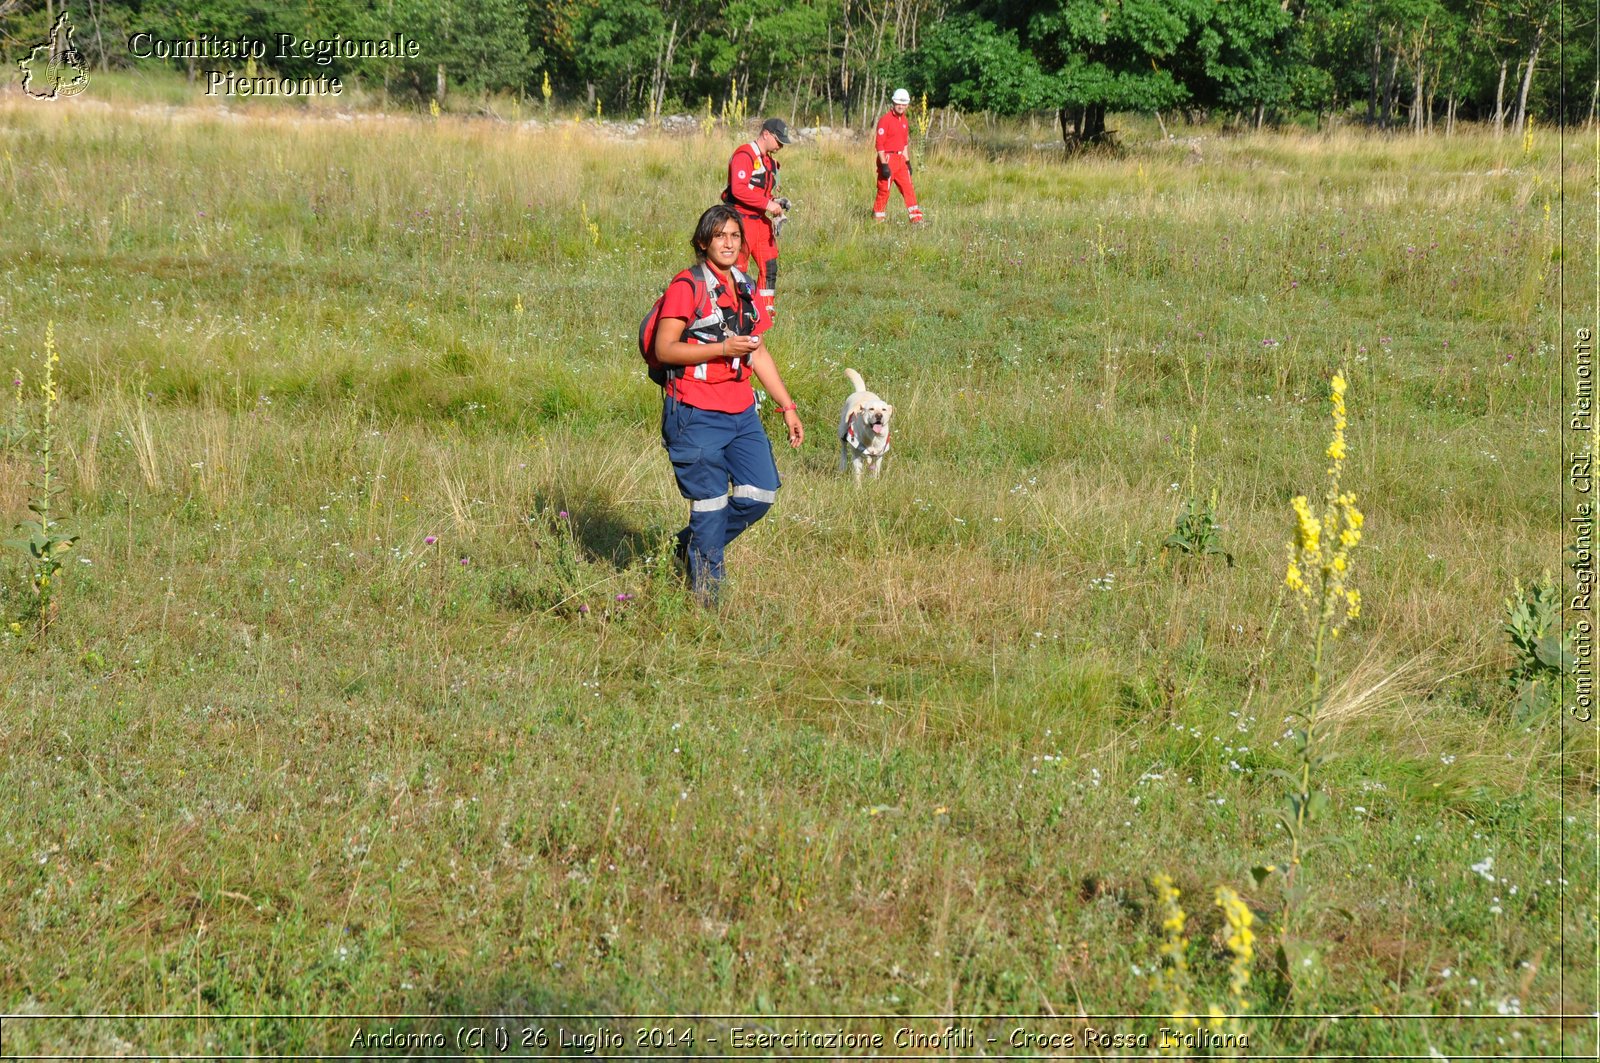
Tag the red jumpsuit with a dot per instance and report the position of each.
(894, 135)
(752, 184)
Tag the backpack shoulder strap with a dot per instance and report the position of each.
(696, 284)
(744, 288)
(704, 286)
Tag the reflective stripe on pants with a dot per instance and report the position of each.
(760, 246)
(709, 451)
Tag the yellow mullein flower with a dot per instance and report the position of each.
(1315, 574)
(1309, 531)
(1172, 980)
(47, 387)
(1241, 944)
(1241, 939)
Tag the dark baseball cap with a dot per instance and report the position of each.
(778, 128)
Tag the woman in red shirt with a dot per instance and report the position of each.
(708, 336)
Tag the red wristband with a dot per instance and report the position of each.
(786, 409)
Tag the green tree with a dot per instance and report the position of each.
(616, 43)
(1244, 50)
(1090, 57)
(472, 44)
(969, 63)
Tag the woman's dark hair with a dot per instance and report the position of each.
(710, 224)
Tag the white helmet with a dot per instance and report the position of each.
(901, 96)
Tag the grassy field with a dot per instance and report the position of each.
(281, 753)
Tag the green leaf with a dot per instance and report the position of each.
(1302, 963)
(1335, 841)
(1262, 872)
(1551, 653)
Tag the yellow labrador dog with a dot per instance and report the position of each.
(863, 428)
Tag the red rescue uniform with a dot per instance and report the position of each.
(752, 185)
(894, 138)
(721, 384)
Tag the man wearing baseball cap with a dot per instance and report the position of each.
(894, 159)
(753, 192)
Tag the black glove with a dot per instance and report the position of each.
(883, 171)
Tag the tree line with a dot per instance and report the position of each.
(1419, 65)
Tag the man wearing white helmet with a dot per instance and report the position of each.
(894, 159)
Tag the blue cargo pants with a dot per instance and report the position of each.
(709, 452)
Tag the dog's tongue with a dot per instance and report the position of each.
(877, 429)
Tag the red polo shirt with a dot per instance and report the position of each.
(722, 384)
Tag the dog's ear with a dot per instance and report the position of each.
(888, 410)
(852, 410)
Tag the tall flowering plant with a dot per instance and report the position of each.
(1318, 576)
(1319, 553)
(1171, 975)
(1223, 1028)
(41, 537)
